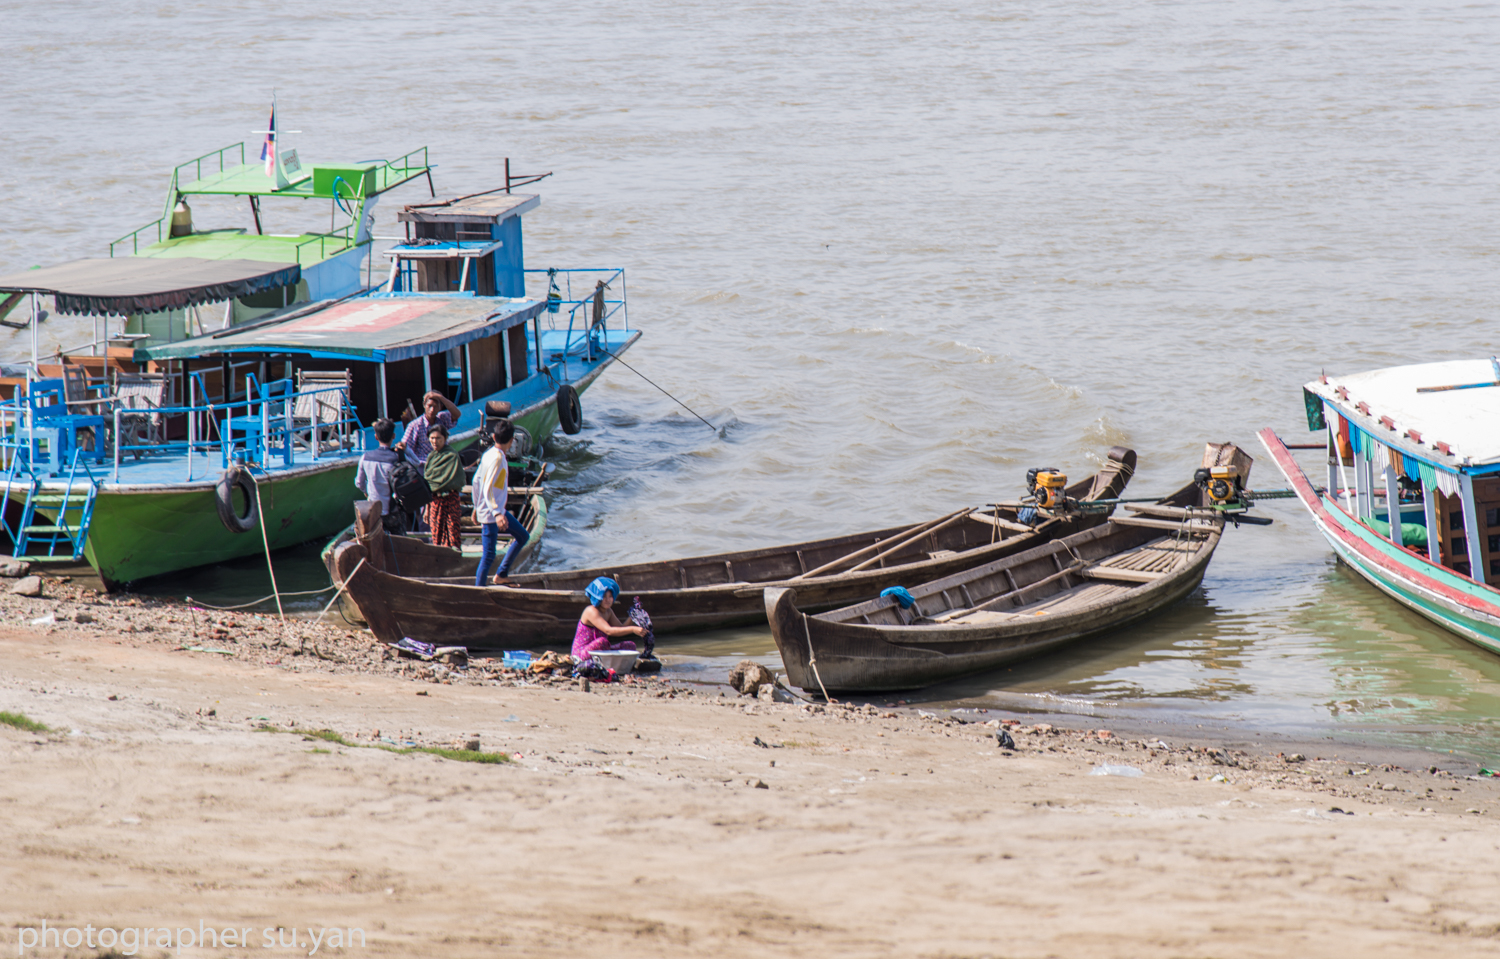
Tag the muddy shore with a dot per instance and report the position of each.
(178, 785)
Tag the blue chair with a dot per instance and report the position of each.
(54, 431)
(277, 397)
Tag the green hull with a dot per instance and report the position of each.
(147, 532)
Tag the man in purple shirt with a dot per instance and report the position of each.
(415, 443)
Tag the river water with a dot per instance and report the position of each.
(897, 253)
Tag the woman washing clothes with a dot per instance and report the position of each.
(599, 628)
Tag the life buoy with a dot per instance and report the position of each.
(569, 410)
(237, 478)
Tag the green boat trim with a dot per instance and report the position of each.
(1442, 595)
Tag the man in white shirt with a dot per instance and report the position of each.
(491, 482)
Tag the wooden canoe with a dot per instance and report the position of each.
(403, 588)
(528, 505)
(1089, 582)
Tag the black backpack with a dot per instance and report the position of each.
(409, 489)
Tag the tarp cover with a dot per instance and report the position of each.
(381, 328)
(142, 284)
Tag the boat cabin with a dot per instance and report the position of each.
(470, 244)
(1414, 454)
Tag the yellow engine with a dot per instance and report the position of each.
(1221, 483)
(1048, 486)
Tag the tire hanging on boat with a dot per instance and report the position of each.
(237, 477)
(569, 410)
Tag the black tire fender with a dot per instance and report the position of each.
(237, 477)
(569, 410)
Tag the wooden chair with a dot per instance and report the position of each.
(77, 390)
(319, 414)
(140, 397)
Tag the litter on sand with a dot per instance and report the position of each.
(1109, 770)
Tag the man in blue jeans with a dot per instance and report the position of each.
(490, 486)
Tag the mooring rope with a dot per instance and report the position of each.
(653, 383)
(812, 658)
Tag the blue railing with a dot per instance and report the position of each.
(271, 422)
(559, 297)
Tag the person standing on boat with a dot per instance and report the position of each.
(374, 474)
(599, 628)
(491, 488)
(415, 442)
(445, 477)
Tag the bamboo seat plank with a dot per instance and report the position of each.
(1003, 523)
(1123, 575)
(1187, 526)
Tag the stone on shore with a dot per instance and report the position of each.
(28, 586)
(748, 676)
(13, 568)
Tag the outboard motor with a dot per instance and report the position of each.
(1048, 485)
(1223, 485)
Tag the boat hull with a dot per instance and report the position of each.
(400, 596)
(1450, 600)
(849, 661)
(150, 529)
(1000, 611)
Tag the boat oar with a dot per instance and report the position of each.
(961, 514)
(888, 540)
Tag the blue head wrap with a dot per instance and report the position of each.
(595, 591)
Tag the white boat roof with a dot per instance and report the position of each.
(1465, 421)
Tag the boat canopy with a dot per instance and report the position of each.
(489, 207)
(127, 285)
(381, 329)
(1443, 414)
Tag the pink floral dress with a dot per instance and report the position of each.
(587, 641)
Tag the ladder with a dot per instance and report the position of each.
(63, 539)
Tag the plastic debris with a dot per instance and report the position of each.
(47, 620)
(1219, 778)
(1111, 770)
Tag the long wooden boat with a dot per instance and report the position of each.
(1090, 582)
(1418, 444)
(526, 502)
(429, 598)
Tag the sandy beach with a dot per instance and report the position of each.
(642, 819)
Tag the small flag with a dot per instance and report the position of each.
(268, 149)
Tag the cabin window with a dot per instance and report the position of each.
(1495, 544)
(1460, 546)
(272, 299)
(1492, 518)
(1456, 520)
(1495, 567)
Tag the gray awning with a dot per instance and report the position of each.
(142, 284)
(382, 328)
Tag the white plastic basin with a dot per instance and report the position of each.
(621, 661)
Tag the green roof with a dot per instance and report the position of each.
(303, 250)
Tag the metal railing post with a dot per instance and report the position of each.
(192, 427)
(116, 477)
